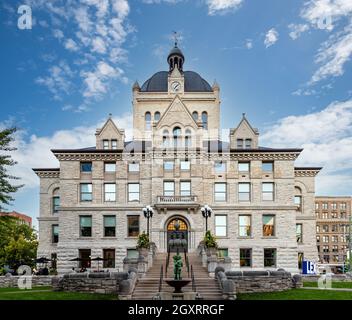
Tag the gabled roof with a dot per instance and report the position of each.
(244, 120)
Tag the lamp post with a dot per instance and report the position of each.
(148, 213)
(206, 212)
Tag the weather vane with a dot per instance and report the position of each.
(175, 38)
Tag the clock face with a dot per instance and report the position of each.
(176, 86)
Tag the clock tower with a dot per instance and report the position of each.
(176, 78)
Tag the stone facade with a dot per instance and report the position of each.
(37, 281)
(183, 127)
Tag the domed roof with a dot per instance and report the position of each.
(193, 83)
(175, 51)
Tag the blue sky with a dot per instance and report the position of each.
(286, 64)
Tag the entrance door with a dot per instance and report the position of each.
(177, 228)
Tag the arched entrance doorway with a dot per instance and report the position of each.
(177, 228)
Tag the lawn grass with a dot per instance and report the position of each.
(45, 293)
(334, 284)
(298, 294)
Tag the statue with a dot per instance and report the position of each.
(177, 266)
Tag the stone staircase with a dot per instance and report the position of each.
(148, 286)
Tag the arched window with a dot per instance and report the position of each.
(188, 138)
(148, 121)
(177, 136)
(157, 116)
(165, 138)
(56, 200)
(195, 115)
(298, 198)
(205, 120)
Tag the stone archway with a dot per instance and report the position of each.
(177, 227)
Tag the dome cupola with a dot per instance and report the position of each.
(175, 58)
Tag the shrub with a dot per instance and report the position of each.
(210, 240)
(143, 241)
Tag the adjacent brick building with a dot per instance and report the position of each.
(23, 219)
(263, 206)
(332, 223)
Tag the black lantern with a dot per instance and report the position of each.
(206, 212)
(148, 213)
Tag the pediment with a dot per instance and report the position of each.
(177, 113)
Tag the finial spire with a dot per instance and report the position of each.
(110, 115)
(243, 115)
(175, 38)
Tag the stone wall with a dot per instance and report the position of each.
(335, 277)
(263, 281)
(37, 281)
(121, 283)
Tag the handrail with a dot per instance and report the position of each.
(187, 261)
(194, 289)
(161, 278)
(167, 261)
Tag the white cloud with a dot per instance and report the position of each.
(222, 6)
(96, 82)
(34, 152)
(249, 44)
(297, 30)
(58, 81)
(325, 136)
(333, 54)
(71, 45)
(95, 32)
(271, 37)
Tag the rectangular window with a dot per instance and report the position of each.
(300, 260)
(299, 233)
(110, 167)
(244, 191)
(220, 192)
(248, 143)
(86, 192)
(55, 233)
(268, 225)
(325, 206)
(221, 225)
(239, 143)
(185, 165)
(318, 239)
(109, 258)
(133, 192)
(105, 144)
(243, 166)
(133, 167)
(86, 166)
(168, 165)
(223, 253)
(325, 249)
(85, 225)
(343, 206)
(169, 188)
(318, 229)
(244, 223)
(109, 226)
(268, 191)
(56, 204)
(270, 258)
(54, 260)
(113, 144)
(133, 226)
(317, 206)
(325, 239)
(185, 188)
(325, 228)
(219, 166)
(245, 257)
(334, 239)
(268, 166)
(109, 192)
(85, 256)
(334, 206)
(298, 202)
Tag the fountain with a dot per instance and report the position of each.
(177, 283)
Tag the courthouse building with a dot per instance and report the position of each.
(262, 205)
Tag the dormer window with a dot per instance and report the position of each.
(248, 143)
(105, 144)
(239, 143)
(113, 144)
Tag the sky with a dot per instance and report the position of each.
(286, 64)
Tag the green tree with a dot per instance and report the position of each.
(6, 187)
(18, 243)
